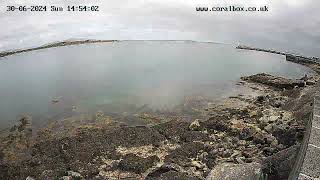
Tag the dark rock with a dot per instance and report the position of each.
(261, 99)
(214, 152)
(164, 169)
(182, 155)
(1, 154)
(247, 154)
(287, 135)
(181, 134)
(305, 78)
(4, 172)
(268, 151)
(227, 153)
(170, 130)
(210, 160)
(194, 136)
(172, 175)
(217, 123)
(310, 83)
(278, 104)
(279, 165)
(259, 138)
(137, 164)
(274, 81)
(134, 136)
(263, 138)
(247, 133)
(77, 153)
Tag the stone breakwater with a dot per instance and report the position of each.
(289, 56)
(57, 44)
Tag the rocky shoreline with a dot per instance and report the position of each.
(254, 134)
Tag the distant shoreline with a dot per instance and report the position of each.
(86, 41)
(53, 45)
(289, 56)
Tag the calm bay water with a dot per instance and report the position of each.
(120, 76)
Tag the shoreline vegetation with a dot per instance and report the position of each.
(258, 132)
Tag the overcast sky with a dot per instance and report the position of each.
(289, 25)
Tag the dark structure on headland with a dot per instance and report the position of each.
(299, 59)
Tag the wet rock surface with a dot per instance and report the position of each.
(274, 81)
(262, 127)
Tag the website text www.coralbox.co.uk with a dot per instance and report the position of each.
(232, 9)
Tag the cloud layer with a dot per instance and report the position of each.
(289, 25)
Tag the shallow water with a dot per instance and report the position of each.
(125, 76)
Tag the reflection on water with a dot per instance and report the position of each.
(125, 78)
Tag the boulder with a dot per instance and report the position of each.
(195, 125)
(286, 134)
(229, 171)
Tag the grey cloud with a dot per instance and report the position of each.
(290, 25)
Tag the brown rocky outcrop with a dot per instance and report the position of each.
(274, 81)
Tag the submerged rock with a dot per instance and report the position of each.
(55, 100)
